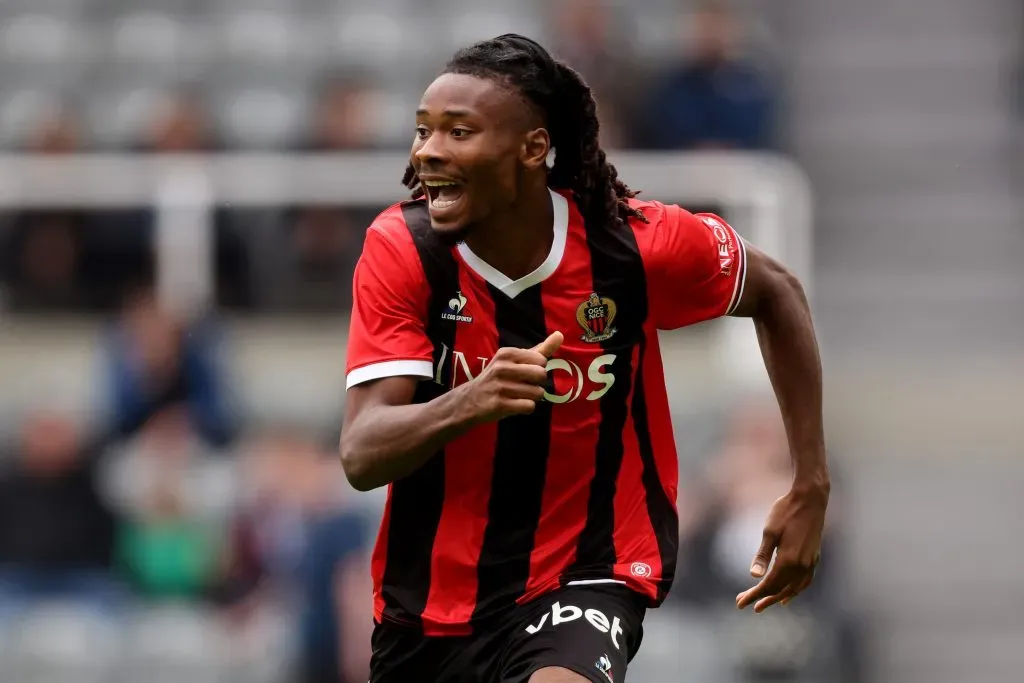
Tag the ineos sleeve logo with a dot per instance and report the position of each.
(596, 378)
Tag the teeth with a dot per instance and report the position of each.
(439, 183)
(442, 203)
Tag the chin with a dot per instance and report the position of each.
(451, 234)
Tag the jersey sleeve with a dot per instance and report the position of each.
(696, 266)
(387, 332)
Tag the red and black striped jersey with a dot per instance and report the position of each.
(584, 488)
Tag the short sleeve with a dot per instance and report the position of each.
(696, 265)
(387, 332)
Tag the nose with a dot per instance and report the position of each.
(431, 149)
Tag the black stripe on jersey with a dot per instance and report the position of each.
(417, 500)
(660, 508)
(520, 469)
(618, 273)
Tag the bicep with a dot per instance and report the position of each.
(765, 277)
(384, 392)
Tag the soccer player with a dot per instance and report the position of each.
(504, 380)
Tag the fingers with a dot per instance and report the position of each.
(521, 406)
(549, 346)
(804, 585)
(763, 557)
(771, 584)
(783, 596)
(538, 355)
(781, 585)
(521, 372)
(518, 390)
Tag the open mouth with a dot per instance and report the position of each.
(442, 194)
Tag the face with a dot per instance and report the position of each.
(475, 140)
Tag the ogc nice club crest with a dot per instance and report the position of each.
(595, 316)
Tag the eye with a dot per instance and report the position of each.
(422, 133)
(461, 132)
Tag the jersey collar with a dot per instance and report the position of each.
(512, 288)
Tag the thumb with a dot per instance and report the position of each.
(764, 554)
(549, 346)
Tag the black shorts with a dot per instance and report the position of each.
(594, 630)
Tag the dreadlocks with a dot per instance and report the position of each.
(570, 113)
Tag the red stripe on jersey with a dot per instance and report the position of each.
(638, 561)
(469, 466)
(574, 429)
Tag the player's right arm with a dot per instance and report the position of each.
(385, 436)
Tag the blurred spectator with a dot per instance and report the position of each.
(57, 134)
(175, 498)
(304, 255)
(346, 116)
(45, 261)
(298, 541)
(721, 524)
(182, 126)
(715, 98)
(56, 531)
(586, 38)
(155, 361)
(44, 250)
(310, 257)
(179, 127)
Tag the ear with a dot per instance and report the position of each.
(534, 152)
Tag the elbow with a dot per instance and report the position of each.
(354, 463)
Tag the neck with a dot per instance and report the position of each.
(516, 241)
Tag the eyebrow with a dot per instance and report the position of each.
(450, 113)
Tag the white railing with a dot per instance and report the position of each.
(766, 197)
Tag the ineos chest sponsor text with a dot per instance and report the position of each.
(571, 381)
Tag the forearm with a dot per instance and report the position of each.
(390, 442)
(785, 333)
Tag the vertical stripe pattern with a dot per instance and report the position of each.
(575, 425)
(469, 463)
(520, 464)
(416, 502)
(617, 274)
(662, 509)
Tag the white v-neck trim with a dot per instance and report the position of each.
(512, 288)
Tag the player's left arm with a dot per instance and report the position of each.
(774, 299)
(700, 268)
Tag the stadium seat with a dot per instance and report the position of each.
(478, 23)
(20, 112)
(173, 643)
(66, 8)
(119, 116)
(61, 642)
(259, 37)
(262, 117)
(371, 38)
(157, 44)
(42, 50)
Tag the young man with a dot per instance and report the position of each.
(504, 380)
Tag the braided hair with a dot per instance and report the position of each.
(570, 114)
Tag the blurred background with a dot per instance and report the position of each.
(184, 188)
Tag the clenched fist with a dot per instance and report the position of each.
(512, 383)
